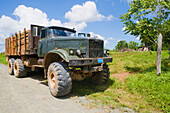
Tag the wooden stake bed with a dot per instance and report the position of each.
(24, 43)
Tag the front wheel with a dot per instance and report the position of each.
(102, 76)
(59, 79)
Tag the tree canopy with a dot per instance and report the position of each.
(123, 45)
(146, 19)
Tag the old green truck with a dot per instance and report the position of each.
(63, 55)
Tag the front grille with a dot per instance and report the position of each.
(95, 48)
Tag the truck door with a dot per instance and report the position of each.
(50, 41)
(42, 43)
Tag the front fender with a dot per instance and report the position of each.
(62, 53)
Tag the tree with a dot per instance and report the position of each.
(121, 45)
(146, 18)
(133, 45)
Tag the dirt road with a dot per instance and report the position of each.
(28, 95)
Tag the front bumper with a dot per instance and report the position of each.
(89, 61)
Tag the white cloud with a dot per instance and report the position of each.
(110, 17)
(26, 16)
(118, 41)
(87, 12)
(123, 28)
(99, 37)
(78, 18)
(54, 22)
(138, 38)
(111, 38)
(77, 26)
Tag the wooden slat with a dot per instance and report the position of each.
(12, 45)
(7, 46)
(32, 42)
(19, 43)
(16, 44)
(25, 39)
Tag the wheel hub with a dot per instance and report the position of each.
(52, 80)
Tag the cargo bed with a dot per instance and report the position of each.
(24, 43)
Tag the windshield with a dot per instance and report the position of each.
(53, 32)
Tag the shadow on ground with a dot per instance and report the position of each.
(164, 65)
(79, 88)
(132, 69)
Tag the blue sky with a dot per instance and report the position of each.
(99, 17)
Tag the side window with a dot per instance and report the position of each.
(43, 34)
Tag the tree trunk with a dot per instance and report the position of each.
(159, 49)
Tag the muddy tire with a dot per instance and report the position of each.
(19, 69)
(59, 79)
(11, 66)
(101, 77)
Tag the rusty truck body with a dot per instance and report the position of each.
(63, 56)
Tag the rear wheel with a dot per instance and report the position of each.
(102, 76)
(11, 66)
(59, 79)
(19, 69)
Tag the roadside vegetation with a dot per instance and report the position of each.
(133, 83)
(3, 58)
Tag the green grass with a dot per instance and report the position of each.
(144, 81)
(143, 90)
(3, 59)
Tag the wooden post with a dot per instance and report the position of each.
(19, 51)
(13, 45)
(25, 40)
(159, 49)
(16, 44)
(31, 40)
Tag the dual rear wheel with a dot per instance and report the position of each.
(17, 68)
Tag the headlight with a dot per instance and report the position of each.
(78, 52)
(71, 51)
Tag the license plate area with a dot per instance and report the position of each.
(100, 60)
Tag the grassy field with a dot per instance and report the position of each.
(3, 59)
(133, 83)
(142, 90)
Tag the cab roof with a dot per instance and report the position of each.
(62, 28)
